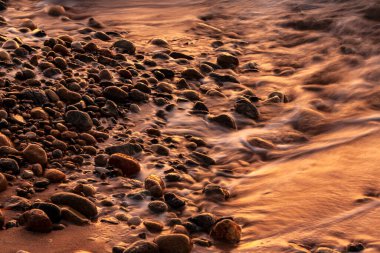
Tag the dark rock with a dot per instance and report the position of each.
(174, 243)
(245, 107)
(158, 206)
(116, 94)
(204, 220)
(155, 185)
(224, 120)
(226, 230)
(78, 203)
(9, 165)
(142, 247)
(127, 164)
(34, 153)
(53, 211)
(226, 60)
(80, 120)
(216, 191)
(36, 220)
(174, 201)
(127, 149)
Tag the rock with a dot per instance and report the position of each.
(134, 221)
(68, 95)
(307, 120)
(245, 107)
(224, 120)
(203, 159)
(153, 226)
(4, 56)
(3, 184)
(51, 210)
(55, 176)
(160, 149)
(94, 23)
(34, 153)
(28, 23)
(260, 143)
(74, 216)
(78, 203)
(226, 60)
(216, 191)
(52, 72)
(85, 189)
(142, 247)
(17, 203)
(5, 141)
(105, 74)
(36, 220)
(127, 164)
(204, 220)
(325, 250)
(137, 95)
(39, 113)
(191, 95)
(127, 149)
(174, 243)
(372, 12)
(115, 94)
(80, 120)
(55, 10)
(159, 42)
(174, 201)
(191, 74)
(9, 165)
(10, 44)
(155, 185)
(226, 230)
(158, 206)
(2, 219)
(125, 46)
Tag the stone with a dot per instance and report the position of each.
(224, 120)
(158, 206)
(203, 159)
(307, 120)
(226, 60)
(226, 230)
(9, 165)
(55, 176)
(55, 10)
(134, 221)
(73, 216)
(159, 42)
(204, 220)
(160, 149)
(78, 203)
(155, 185)
(245, 107)
(10, 44)
(127, 149)
(191, 74)
(115, 94)
(84, 189)
(174, 243)
(39, 113)
(5, 141)
(36, 220)
(217, 192)
(52, 211)
(125, 46)
(52, 72)
(142, 247)
(3, 183)
(68, 96)
(34, 153)
(80, 120)
(4, 56)
(2, 219)
(174, 201)
(153, 226)
(127, 164)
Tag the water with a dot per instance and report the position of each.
(307, 191)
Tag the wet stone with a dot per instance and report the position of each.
(78, 203)
(158, 206)
(174, 243)
(226, 60)
(226, 230)
(36, 220)
(155, 185)
(55, 176)
(34, 153)
(174, 201)
(127, 164)
(80, 120)
(142, 247)
(9, 165)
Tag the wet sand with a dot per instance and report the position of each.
(301, 174)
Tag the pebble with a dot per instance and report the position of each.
(5, 141)
(134, 221)
(226, 60)
(174, 201)
(3, 182)
(160, 149)
(2, 220)
(174, 243)
(142, 247)
(216, 191)
(246, 108)
(159, 42)
(80, 120)
(10, 44)
(9, 165)
(226, 230)
(191, 74)
(158, 206)
(155, 185)
(55, 176)
(84, 189)
(127, 164)
(115, 94)
(4, 56)
(125, 46)
(74, 216)
(34, 153)
(204, 220)
(55, 10)
(36, 220)
(78, 203)
(39, 113)
(153, 226)
(224, 120)
(51, 210)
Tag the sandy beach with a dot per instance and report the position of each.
(189, 126)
